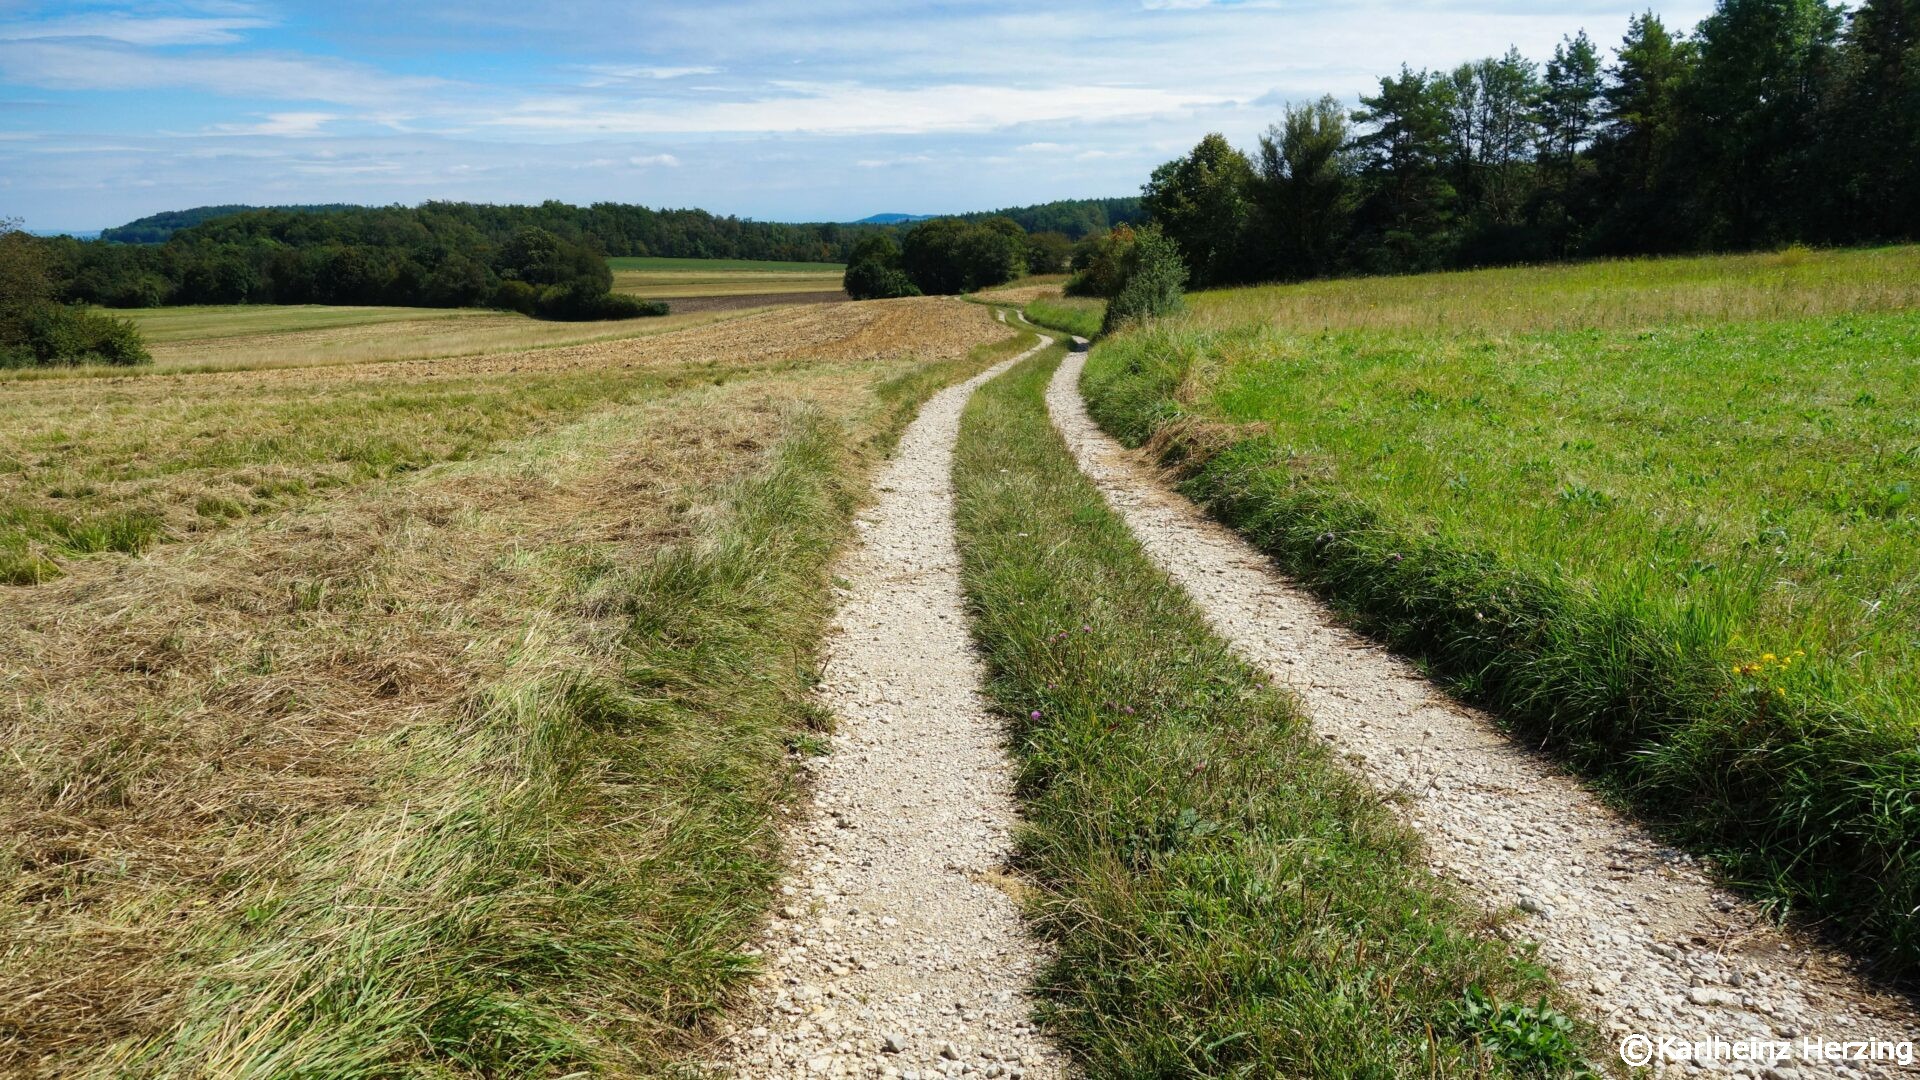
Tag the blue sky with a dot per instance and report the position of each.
(827, 110)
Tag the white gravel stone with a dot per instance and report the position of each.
(901, 935)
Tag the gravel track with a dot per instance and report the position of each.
(1633, 927)
(897, 948)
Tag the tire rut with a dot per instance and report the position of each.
(1636, 929)
(897, 948)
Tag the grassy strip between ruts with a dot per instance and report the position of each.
(1223, 898)
(1797, 772)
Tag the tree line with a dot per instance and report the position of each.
(436, 255)
(1773, 122)
(622, 229)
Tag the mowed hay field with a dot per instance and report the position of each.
(194, 339)
(1660, 514)
(423, 717)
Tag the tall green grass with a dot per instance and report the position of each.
(1072, 315)
(1681, 551)
(1224, 900)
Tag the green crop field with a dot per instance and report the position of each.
(706, 266)
(745, 280)
(1660, 513)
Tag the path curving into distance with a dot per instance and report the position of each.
(1634, 928)
(897, 948)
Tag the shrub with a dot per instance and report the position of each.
(516, 296)
(874, 280)
(1153, 279)
(46, 334)
(582, 301)
(1099, 264)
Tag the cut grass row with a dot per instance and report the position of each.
(114, 467)
(1681, 551)
(1223, 899)
(90, 465)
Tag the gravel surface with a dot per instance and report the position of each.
(1635, 928)
(897, 948)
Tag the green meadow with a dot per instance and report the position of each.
(1659, 514)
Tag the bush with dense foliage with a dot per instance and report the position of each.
(37, 330)
(1139, 272)
(873, 270)
(47, 334)
(1152, 278)
(951, 255)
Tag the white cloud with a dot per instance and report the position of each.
(890, 162)
(285, 123)
(74, 65)
(602, 75)
(136, 30)
(847, 108)
(643, 161)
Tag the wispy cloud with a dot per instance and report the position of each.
(83, 65)
(601, 75)
(136, 29)
(285, 124)
(851, 108)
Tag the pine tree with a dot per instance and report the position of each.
(1876, 120)
(1409, 203)
(1753, 106)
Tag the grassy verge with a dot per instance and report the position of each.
(1069, 314)
(1681, 554)
(1224, 899)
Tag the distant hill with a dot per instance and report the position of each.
(636, 230)
(1074, 217)
(157, 228)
